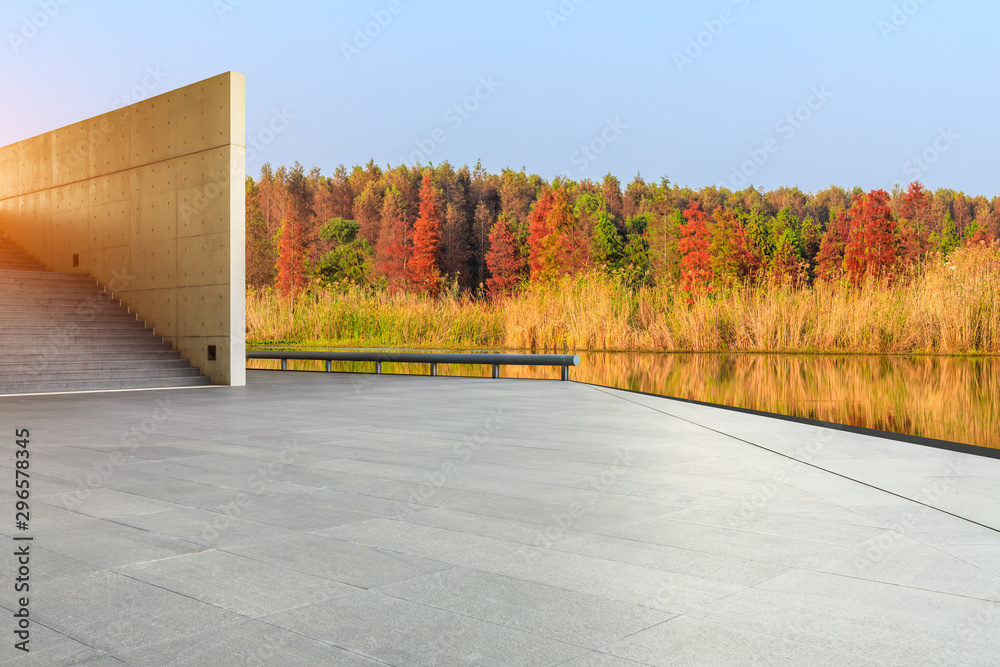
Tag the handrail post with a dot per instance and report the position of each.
(284, 364)
(378, 368)
(434, 370)
(565, 373)
(329, 366)
(496, 371)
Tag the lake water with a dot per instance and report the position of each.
(948, 398)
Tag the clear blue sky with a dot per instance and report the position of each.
(608, 77)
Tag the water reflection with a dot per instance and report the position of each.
(949, 398)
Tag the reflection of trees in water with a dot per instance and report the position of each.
(950, 398)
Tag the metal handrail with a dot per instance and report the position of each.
(433, 358)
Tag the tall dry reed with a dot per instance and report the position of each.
(949, 306)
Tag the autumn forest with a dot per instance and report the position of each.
(679, 268)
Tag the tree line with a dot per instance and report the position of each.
(436, 228)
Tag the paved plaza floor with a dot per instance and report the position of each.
(336, 519)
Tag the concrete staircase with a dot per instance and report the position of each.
(64, 332)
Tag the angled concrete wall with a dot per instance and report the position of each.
(148, 200)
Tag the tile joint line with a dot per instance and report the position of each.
(811, 465)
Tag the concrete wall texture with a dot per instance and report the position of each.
(149, 200)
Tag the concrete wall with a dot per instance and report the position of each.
(149, 200)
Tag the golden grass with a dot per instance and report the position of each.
(368, 317)
(949, 307)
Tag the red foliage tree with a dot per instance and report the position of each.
(871, 250)
(392, 252)
(556, 244)
(292, 257)
(542, 239)
(913, 229)
(571, 247)
(980, 237)
(424, 268)
(696, 262)
(504, 259)
(915, 200)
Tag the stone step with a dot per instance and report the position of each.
(39, 327)
(20, 265)
(15, 284)
(19, 281)
(94, 364)
(53, 300)
(86, 348)
(23, 268)
(15, 259)
(64, 335)
(62, 375)
(43, 277)
(79, 292)
(42, 280)
(76, 293)
(60, 355)
(79, 310)
(65, 332)
(98, 309)
(82, 326)
(17, 287)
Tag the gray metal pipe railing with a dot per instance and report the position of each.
(564, 361)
